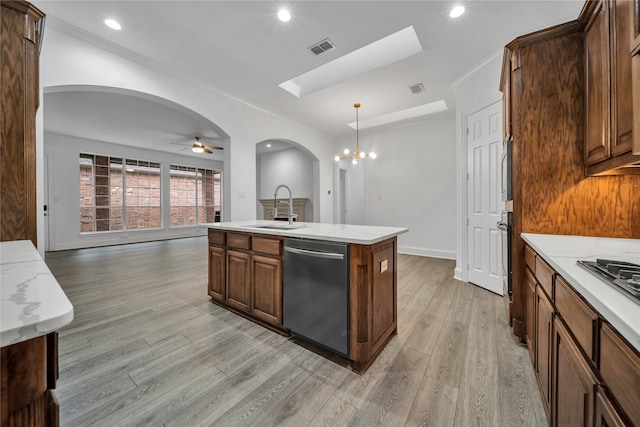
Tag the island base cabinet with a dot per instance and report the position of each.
(373, 295)
(246, 277)
(266, 289)
(239, 280)
(574, 382)
(217, 278)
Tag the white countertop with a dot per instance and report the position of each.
(32, 301)
(563, 252)
(360, 234)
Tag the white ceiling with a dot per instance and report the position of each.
(239, 48)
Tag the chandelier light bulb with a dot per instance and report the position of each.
(373, 155)
(346, 151)
(361, 154)
(337, 158)
(355, 161)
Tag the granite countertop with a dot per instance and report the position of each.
(32, 301)
(563, 252)
(359, 234)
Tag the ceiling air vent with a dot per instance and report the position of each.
(322, 46)
(417, 88)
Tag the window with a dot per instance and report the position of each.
(116, 198)
(195, 195)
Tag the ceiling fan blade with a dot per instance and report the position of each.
(206, 150)
(212, 147)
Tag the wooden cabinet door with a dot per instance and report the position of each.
(573, 382)
(620, 371)
(544, 337)
(635, 71)
(621, 90)
(635, 26)
(239, 280)
(530, 313)
(606, 414)
(217, 277)
(597, 90)
(266, 289)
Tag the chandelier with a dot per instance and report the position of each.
(355, 155)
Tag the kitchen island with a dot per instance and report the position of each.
(246, 265)
(33, 307)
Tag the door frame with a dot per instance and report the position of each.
(461, 271)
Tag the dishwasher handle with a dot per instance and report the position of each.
(316, 254)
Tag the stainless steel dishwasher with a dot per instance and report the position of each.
(316, 292)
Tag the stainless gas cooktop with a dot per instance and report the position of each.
(624, 276)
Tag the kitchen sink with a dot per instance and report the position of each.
(281, 227)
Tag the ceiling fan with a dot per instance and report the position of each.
(199, 147)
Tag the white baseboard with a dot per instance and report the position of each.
(457, 273)
(434, 253)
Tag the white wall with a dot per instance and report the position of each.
(410, 184)
(478, 87)
(69, 63)
(64, 192)
(291, 167)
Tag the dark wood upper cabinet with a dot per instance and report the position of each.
(609, 135)
(634, 47)
(597, 84)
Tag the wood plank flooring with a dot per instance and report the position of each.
(148, 348)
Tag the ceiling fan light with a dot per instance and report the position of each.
(197, 148)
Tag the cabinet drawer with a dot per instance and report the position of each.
(578, 316)
(530, 259)
(620, 370)
(239, 241)
(266, 245)
(217, 237)
(544, 274)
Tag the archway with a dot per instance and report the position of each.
(280, 161)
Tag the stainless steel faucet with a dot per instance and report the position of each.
(275, 196)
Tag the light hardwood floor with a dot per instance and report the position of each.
(148, 348)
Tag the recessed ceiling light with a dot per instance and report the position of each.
(456, 11)
(268, 145)
(112, 24)
(284, 15)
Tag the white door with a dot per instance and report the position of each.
(343, 196)
(484, 202)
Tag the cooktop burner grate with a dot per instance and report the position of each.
(623, 275)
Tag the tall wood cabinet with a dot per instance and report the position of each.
(21, 30)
